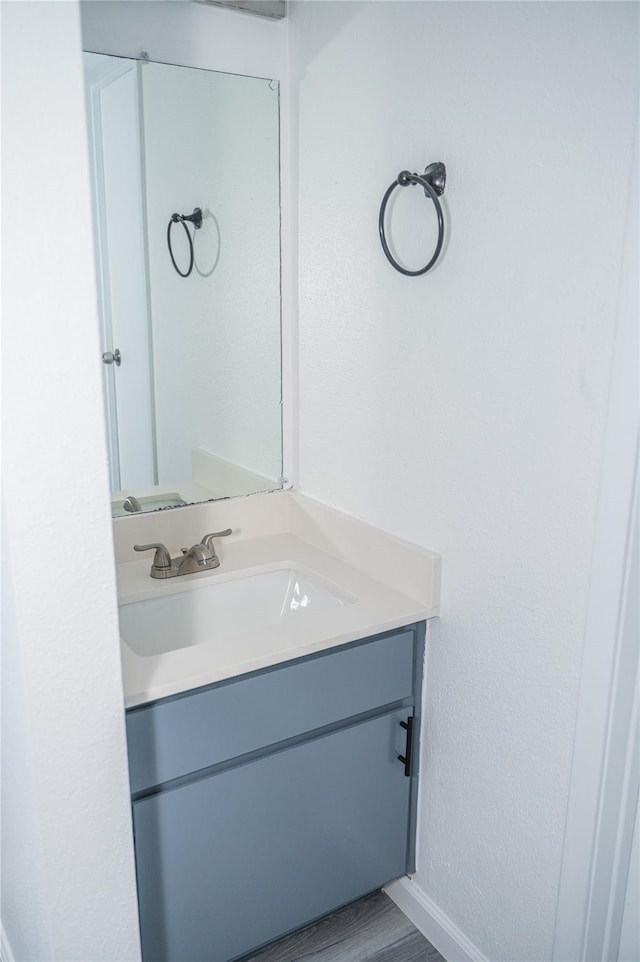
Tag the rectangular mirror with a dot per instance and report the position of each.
(186, 204)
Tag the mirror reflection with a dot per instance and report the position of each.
(185, 176)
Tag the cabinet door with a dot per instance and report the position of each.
(233, 860)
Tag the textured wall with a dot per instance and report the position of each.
(25, 916)
(465, 410)
(68, 887)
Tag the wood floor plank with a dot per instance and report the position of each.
(413, 948)
(372, 929)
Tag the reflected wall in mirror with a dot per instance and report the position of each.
(192, 365)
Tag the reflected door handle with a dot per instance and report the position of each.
(112, 357)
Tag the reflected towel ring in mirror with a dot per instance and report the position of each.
(433, 182)
(196, 220)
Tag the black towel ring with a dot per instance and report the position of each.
(433, 182)
(196, 220)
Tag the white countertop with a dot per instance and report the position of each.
(376, 608)
(388, 583)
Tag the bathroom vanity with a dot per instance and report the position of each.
(267, 801)
(273, 718)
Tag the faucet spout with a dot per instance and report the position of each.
(199, 557)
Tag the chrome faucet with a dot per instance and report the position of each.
(199, 557)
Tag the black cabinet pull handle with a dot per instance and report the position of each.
(406, 758)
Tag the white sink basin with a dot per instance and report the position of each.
(223, 609)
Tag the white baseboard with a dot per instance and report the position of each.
(433, 923)
(6, 955)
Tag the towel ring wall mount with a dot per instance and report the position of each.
(433, 182)
(196, 219)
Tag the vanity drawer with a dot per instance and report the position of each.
(207, 726)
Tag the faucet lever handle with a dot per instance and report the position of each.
(207, 540)
(162, 558)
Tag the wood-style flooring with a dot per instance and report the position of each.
(372, 929)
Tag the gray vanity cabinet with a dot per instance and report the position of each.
(278, 825)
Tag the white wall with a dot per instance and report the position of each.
(465, 410)
(23, 906)
(68, 879)
(629, 948)
(606, 764)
